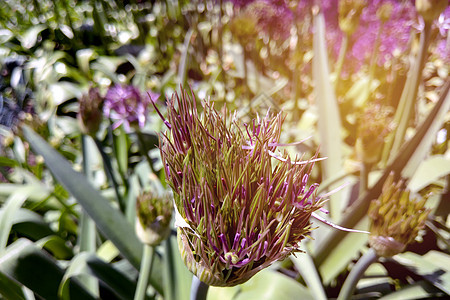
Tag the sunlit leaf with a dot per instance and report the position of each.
(329, 123)
(34, 268)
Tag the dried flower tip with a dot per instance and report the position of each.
(90, 112)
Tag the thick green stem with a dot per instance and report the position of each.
(145, 271)
(199, 289)
(356, 273)
(87, 234)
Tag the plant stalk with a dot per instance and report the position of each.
(87, 234)
(199, 289)
(356, 273)
(144, 272)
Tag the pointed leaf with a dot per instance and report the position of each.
(109, 221)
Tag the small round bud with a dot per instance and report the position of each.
(90, 113)
(154, 214)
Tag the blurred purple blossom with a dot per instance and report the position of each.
(443, 44)
(273, 17)
(125, 104)
(395, 34)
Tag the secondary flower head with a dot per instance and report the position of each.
(154, 214)
(396, 219)
(125, 104)
(375, 125)
(242, 205)
(90, 113)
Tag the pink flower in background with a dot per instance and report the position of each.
(125, 104)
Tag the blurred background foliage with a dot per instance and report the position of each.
(366, 80)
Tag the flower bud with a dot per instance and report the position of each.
(90, 113)
(349, 13)
(396, 219)
(154, 214)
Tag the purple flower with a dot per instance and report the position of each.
(273, 17)
(125, 104)
(443, 44)
(395, 34)
(242, 203)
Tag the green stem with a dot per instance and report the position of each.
(341, 59)
(110, 174)
(144, 150)
(145, 271)
(364, 178)
(87, 235)
(169, 272)
(356, 273)
(408, 98)
(199, 289)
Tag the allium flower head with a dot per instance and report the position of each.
(90, 113)
(154, 214)
(396, 219)
(125, 104)
(241, 204)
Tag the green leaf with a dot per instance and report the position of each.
(10, 289)
(27, 264)
(419, 290)
(433, 267)
(108, 220)
(30, 224)
(5, 35)
(429, 171)
(265, 285)
(7, 213)
(118, 282)
(57, 246)
(329, 123)
(427, 141)
(30, 36)
(359, 208)
(348, 249)
(76, 267)
(305, 266)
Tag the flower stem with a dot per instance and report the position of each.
(144, 274)
(408, 98)
(340, 62)
(364, 178)
(144, 150)
(199, 289)
(87, 231)
(356, 273)
(110, 173)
